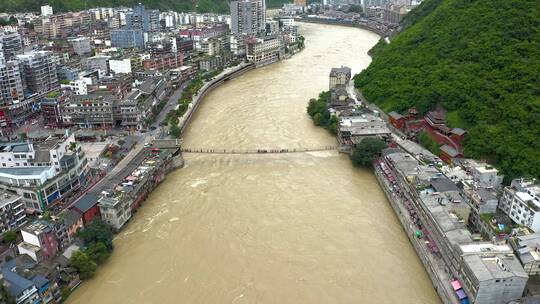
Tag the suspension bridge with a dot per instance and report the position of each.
(257, 151)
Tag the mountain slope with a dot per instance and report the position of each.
(217, 6)
(480, 59)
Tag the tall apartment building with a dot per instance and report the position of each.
(46, 10)
(11, 86)
(142, 19)
(521, 201)
(81, 45)
(12, 215)
(10, 44)
(128, 38)
(248, 17)
(42, 171)
(38, 70)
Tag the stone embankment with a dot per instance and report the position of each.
(209, 86)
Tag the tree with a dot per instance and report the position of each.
(98, 252)
(10, 237)
(97, 232)
(366, 151)
(83, 264)
(429, 143)
(175, 130)
(5, 296)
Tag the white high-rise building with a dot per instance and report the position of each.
(46, 10)
(248, 17)
(11, 86)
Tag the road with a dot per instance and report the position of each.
(135, 156)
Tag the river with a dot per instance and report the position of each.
(294, 228)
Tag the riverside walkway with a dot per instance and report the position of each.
(257, 151)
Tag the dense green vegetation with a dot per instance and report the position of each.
(218, 6)
(429, 143)
(478, 59)
(366, 151)
(318, 110)
(97, 239)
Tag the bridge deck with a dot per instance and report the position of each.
(256, 151)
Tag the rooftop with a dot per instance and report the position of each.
(8, 198)
(341, 70)
(38, 227)
(489, 261)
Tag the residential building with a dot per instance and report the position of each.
(353, 129)
(63, 25)
(339, 77)
(46, 10)
(10, 44)
(164, 61)
(248, 17)
(197, 35)
(485, 175)
(143, 19)
(491, 273)
(73, 221)
(50, 111)
(272, 27)
(128, 38)
(237, 45)
(214, 62)
(527, 249)
(38, 71)
(12, 215)
(67, 73)
(81, 45)
(263, 51)
(115, 208)
(120, 65)
(87, 207)
(39, 241)
(78, 86)
(11, 85)
(483, 273)
(99, 62)
(521, 202)
(212, 46)
(23, 290)
(88, 111)
(42, 172)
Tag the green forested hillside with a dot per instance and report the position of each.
(218, 6)
(480, 59)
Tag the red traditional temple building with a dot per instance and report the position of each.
(397, 120)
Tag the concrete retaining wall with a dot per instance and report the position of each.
(434, 272)
(207, 87)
